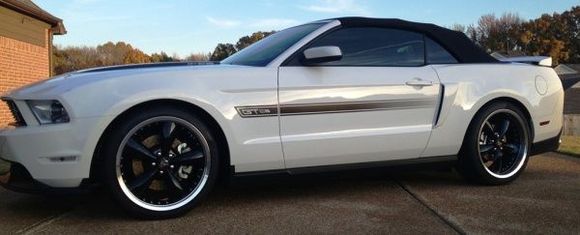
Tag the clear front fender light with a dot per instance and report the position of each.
(48, 111)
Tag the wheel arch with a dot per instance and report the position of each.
(510, 100)
(97, 159)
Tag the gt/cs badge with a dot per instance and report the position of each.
(257, 111)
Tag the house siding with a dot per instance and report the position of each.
(22, 28)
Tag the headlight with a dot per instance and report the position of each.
(48, 111)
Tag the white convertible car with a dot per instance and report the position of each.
(332, 94)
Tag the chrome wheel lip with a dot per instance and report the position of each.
(522, 156)
(199, 187)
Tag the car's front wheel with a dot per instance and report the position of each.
(159, 163)
(495, 149)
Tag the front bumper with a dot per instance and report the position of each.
(15, 177)
(55, 156)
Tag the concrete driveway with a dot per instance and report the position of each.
(545, 199)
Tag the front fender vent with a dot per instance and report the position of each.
(18, 119)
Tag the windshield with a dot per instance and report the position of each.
(264, 51)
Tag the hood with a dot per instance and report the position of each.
(145, 66)
(62, 83)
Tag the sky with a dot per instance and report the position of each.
(193, 26)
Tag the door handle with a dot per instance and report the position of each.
(419, 82)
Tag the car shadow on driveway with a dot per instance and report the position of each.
(368, 201)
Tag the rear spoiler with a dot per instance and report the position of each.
(536, 60)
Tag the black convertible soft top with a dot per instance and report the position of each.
(457, 43)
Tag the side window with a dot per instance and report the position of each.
(437, 54)
(369, 46)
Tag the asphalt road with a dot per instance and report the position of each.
(544, 200)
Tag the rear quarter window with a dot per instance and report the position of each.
(436, 54)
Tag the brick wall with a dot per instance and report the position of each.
(20, 64)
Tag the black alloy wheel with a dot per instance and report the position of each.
(496, 145)
(161, 162)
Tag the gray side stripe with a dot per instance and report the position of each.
(333, 107)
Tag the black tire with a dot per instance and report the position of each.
(173, 172)
(490, 153)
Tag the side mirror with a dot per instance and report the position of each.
(323, 54)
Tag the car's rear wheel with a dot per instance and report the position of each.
(160, 162)
(495, 149)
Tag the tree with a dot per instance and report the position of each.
(571, 34)
(198, 57)
(136, 56)
(554, 35)
(471, 32)
(161, 57)
(246, 41)
(222, 51)
(175, 57)
(459, 28)
(497, 34)
(76, 58)
(113, 53)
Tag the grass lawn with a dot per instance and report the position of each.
(4, 167)
(570, 145)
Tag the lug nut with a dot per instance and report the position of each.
(160, 172)
(171, 166)
(153, 164)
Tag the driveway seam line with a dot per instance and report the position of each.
(38, 226)
(421, 201)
